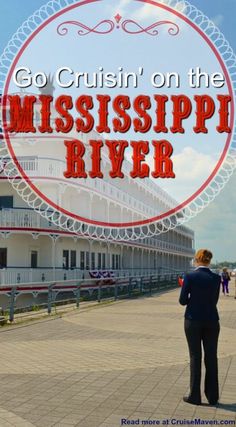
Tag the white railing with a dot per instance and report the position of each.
(152, 187)
(148, 185)
(185, 231)
(24, 218)
(17, 275)
(44, 167)
(167, 246)
(34, 275)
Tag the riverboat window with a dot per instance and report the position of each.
(6, 202)
(69, 259)
(34, 259)
(103, 261)
(65, 259)
(3, 257)
(115, 262)
(87, 260)
(93, 260)
(99, 261)
(72, 259)
(82, 260)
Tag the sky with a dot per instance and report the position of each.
(215, 227)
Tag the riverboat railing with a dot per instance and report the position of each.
(33, 297)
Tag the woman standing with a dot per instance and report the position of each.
(225, 278)
(200, 293)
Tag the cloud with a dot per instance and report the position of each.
(215, 227)
(191, 163)
(144, 12)
(191, 168)
(120, 8)
(218, 20)
(147, 11)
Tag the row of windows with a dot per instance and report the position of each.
(69, 260)
(88, 261)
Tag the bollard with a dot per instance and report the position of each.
(116, 292)
(141, 285)
(150, 286)
(154, 283)
(50, 297)
(99, 292)
(78, 296)
(12, 304)
(130, 287)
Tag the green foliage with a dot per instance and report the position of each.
(35, 308)
(222, 264)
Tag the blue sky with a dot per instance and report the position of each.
(215, 227)
(14, 12)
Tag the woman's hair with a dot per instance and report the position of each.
(203, 256)
(224, 269)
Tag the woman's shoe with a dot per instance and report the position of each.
(188, 399)
(213, 402)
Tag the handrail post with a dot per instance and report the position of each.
(78, 295)
(50, 297)
(130, 287)
(116, 292)
(154, 282)
(141, 285)
(150, 285)
(174, 280)
(99, 292)
(12, 304)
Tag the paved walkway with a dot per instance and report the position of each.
(127, 360)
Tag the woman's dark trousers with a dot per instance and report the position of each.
(225, 287)
(206, 333)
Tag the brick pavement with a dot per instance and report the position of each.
(127, 360)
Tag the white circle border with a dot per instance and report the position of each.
(65, 222)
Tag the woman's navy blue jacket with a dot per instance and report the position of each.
(200, 292)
